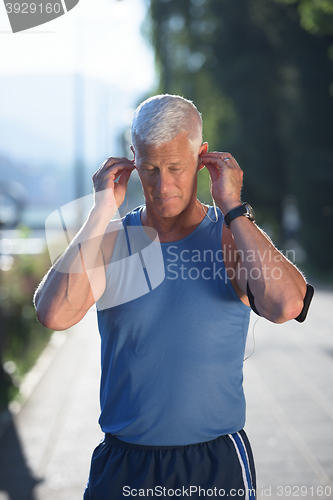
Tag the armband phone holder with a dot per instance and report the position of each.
(306, 302)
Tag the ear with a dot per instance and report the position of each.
(203, 149)
(132, 149)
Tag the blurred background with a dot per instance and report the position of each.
(68, 90)
(259, 71)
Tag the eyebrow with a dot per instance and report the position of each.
(173, 164)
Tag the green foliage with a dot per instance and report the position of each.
(316, 16)
(263, 84)
(23, 337)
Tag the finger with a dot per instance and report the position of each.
(118, 171)
(113, 171)
(227, 157)
(218, 161)
(214, 153)
(218, 164)
(111, 161)
(222, 164)
(213, 171)
(218, 154)
(117, 162)
(124, 177)
(213, 163)
(117, 159)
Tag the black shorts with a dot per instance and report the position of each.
(222, 468)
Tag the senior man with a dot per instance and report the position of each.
(172, 402)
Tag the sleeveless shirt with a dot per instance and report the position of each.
(172, 347)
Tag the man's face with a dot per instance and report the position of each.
(168, 174)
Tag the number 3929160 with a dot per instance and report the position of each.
(33, 8)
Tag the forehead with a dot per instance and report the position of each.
(177, 149)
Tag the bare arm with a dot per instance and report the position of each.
(77, 279)
(277, 285)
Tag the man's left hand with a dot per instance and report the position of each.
(227, 179)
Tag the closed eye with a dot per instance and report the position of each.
(150, 169)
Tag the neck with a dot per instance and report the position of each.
(174, 228)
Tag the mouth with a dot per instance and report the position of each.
(166, 199)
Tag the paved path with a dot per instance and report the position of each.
(45, 453)
(289, 390)
(52, 438)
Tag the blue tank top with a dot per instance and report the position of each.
(172, 339)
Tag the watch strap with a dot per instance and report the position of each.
(234, 213)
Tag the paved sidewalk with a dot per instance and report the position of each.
(45, 453)
(289, 390)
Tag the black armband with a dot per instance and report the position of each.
(306, 303)
(251, 299)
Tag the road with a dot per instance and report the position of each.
(45, 452)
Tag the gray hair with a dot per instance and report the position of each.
(161, 118)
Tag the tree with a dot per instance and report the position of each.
(262, 83)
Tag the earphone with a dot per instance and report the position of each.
(254, 343)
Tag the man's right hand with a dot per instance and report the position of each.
(77, 279)
(110, 182)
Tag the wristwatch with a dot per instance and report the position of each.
(245, 209)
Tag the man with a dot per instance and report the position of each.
(172, 402)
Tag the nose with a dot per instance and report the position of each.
(164, 183)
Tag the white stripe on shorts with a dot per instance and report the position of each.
(246, 485)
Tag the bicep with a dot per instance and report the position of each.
(233, 265)
(241, 283)
(97, 276)
(97, 283)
